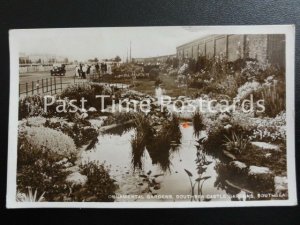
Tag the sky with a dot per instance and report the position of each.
(86, 43)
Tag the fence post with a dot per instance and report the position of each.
(38, 86)
(55, 85)
(42, 85)
(61, 83)
(26, 89)
(51, 84)
(32, 87)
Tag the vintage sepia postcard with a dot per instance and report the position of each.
(152, 117)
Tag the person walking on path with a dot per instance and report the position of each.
(84, 70)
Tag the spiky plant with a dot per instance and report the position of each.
(198, 123)
(237, 143)
(30, 197)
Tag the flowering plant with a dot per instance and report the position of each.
(46, 139)
(248, 88)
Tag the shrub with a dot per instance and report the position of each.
(248, 88)
(80, 130)
(35, 121)
(153, 74)
(99, 186)
(173, 73)
(197, 84)
(31, 106)
(252, 70)
(217, 133)
(270, 129)
(230, 86)
(88, 92)
(79, 91)
(55, 142)
(39, 170)
(256, 71)
(119, 118)
(274, 99)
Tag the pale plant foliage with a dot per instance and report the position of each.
(30, 197)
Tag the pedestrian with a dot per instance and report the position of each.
(97, 68)
(105, 67)
(80, 70)
(77, 71)
(84, 69)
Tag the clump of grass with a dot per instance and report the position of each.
(158, 143)
(30, 197)
(143, 125)
(274, 98)
(138, 148)
(144, 135)
(99, 187)
(198, 123)
(171, 130)
(237, 143)
(214, 144)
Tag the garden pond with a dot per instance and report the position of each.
(115, 151)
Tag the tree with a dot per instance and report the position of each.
(117, 59)
(153, 74)
(175, 63)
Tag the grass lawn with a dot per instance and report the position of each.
(172, 89)
(147, 86)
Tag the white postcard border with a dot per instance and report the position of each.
(288, 30)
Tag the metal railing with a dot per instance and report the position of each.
(52, 85)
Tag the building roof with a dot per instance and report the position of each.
(196, 40)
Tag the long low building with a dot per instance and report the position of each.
(263, 47)
(153, 60)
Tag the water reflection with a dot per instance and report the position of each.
(159, 92)
(166, 156)
(120, 130)
(159, 141)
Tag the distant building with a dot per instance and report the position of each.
(263, 47)
(41, 59)
(24, 59)
(154, 60)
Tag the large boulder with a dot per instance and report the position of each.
(76, 178)
(238, 165)
(281, 185)
(261, 179)
(265, 146)
(259, 170)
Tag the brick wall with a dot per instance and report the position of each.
(235, 47)
(257, 46)
(263, 47)
(202, 49)
(220, 45)
(210, 48)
